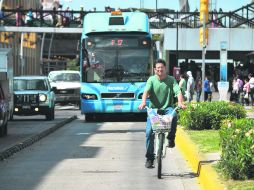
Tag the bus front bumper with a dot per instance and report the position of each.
(111, 106)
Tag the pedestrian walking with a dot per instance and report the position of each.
(190, 86)
(41, 17)
(183, 85)
(59, 17)
(246, 90)
(81, 16)
(207, 90)
(19, 19)
(67, 17)
(29, 18)
(198, 88)
(251, 81)
(235, 91)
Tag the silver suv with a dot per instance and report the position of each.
(33, 96)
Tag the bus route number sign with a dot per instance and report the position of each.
(118, 42)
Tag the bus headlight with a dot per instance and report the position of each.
(89, 96)
(42, 97)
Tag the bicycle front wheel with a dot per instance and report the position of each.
(159, 155)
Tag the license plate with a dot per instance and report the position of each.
(26, 107)
(118, 106)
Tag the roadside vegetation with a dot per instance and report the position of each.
(208, 141)
(72, 65)
(223, 127)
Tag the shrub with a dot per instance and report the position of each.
(208, 115)
(237, 143)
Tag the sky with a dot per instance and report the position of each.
(226, 5)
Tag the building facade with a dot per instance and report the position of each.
(29, 63)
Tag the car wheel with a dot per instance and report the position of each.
(1, 131)
(5, 129)
(11, 116)
(78, 105)
(89, 117)
(51, 114)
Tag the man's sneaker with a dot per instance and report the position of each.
(171, 143)
(149, 164)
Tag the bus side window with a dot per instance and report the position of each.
(85, 65)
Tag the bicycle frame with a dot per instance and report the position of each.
(157, 142)
(160, 127)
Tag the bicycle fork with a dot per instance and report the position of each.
(160, 138)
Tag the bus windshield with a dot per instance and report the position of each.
(129, 63)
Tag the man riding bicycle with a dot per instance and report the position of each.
(161, 89)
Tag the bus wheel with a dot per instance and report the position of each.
(89, 117)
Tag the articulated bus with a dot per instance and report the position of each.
(116, 61)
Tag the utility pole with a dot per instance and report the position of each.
(203, 35)
(203, 58)
(21, 55)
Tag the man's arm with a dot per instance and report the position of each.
(179, 95)
(180, 101)
(144, 98)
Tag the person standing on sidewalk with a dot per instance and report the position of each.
(183, 85)
(207, 90)
(198, 88)
(190, 86)
(251, 81)
(246, 90)
(161, 89)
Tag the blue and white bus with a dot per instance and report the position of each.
(116, 61)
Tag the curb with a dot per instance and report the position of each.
(207, 176)
(29, 141)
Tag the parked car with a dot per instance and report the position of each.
(3, 113)
(33, 96)
(66, 86)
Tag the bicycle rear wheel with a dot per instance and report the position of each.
(159, 155)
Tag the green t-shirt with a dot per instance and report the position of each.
(161, 93)
(184, 85)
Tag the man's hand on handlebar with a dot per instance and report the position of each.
(141, 106)
(181, 105)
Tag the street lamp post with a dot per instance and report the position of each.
(177, 21)
(156, 5)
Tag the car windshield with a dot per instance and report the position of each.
(70, 77)
(32, 84)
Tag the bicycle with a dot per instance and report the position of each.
(161, 125)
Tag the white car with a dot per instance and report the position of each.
(66, 85)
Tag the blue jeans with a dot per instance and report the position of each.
(150, 134)
(198, 95)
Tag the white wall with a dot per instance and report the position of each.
(238, 39)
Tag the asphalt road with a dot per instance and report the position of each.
(93, 156)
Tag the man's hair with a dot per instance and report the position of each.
(159, 61)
